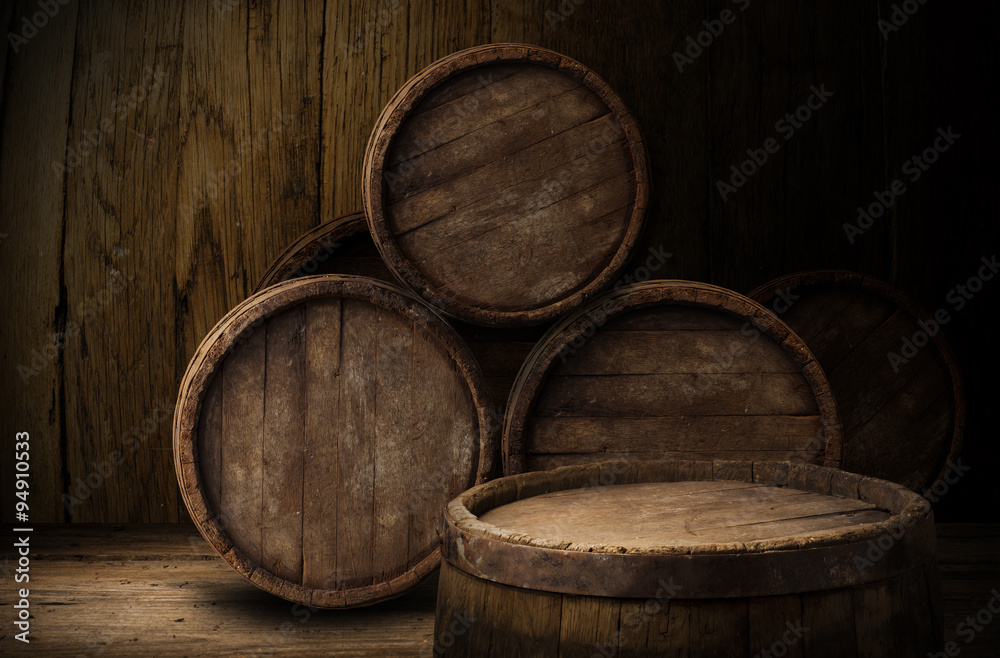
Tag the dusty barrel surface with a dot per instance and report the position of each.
(689, 558)
(669, 369)
(891, 369)
(344, 246)
(506, 184)
(319, 429)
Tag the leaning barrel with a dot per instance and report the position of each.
(895, 377)
(669, 369)
(320, 427)
(506, 184)
(689, 558)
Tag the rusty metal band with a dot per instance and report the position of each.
(697, 576)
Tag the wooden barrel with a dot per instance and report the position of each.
(669, 369)
(339, 246)
(689, 558)
(320, 427)
(895, 378)
(344, 246)
(506, 184)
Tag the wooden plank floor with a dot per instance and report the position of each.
(159, 590)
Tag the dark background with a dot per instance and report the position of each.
(200, 138)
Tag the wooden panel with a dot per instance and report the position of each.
(283, 445)
(32, 229)
(394, 433)
(321, 460)
(728, 394)
(242, 439)
(356, 454)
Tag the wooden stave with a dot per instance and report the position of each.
(539, 362)
(198, 377)
(765, 293)
(410, 94)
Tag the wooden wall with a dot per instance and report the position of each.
(154, 158)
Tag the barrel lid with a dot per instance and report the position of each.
(506, 184)
(319, 429)
(890, 367)
(669, 369)
(719, 529)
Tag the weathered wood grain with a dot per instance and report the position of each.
(126, 587)
(160, 186)
(471, 193)
(33, 214)
(320, 428)
(903, 416)
(675, 367)
(554, 543)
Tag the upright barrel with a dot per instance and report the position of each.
(320, 427)
(506, 184)
(689, 558)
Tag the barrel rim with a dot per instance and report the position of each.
(877, 286)
(759, 568)
(219, 342)
(622, 299)
(397, 111)
(309, 245)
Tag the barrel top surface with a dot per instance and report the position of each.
(722, 527)
(319, 429)
(651, 515)
(506, 184)
(669, 369)
(899, 391)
